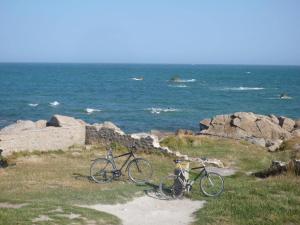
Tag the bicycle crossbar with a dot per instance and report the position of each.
(199, 167)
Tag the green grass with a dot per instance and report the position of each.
(246, 200)
(47, 181)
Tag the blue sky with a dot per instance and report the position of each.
(200, 31)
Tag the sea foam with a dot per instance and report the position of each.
(178, 85)
(185, 80)
(159, 110)
(241, 88)
(55, 103)
(91, 110)
(33, 104)
(137, 78)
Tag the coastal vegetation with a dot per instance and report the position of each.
(54, 184)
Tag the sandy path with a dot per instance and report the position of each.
(149, 211)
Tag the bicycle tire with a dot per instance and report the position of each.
(172, 187)
(212, 184)
(140, 170)
(101, 170)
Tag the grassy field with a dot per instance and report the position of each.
(52, 184)
(247, 200)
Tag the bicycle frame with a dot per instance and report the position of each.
(130, 155)
(188, 183)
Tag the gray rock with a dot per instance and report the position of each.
(64, 121)
(297, 124)
(286, 123)
(182, 132)
(30, 136)
(204, 124)
(257, 129)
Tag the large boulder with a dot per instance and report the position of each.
(266, 131)
(30, 136)
(64, 121)
(287, 123)
(23, 125)
(297, 124)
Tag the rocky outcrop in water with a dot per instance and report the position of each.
(266, 131)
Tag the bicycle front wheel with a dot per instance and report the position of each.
(212, 184)
(101, 170)
(140, 171)
(172, 186)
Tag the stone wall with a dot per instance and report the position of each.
(106, 136)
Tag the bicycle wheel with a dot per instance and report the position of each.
(172, 186)
(101, 170)
(212, 184)
(140, 171)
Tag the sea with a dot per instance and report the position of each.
(144, 97)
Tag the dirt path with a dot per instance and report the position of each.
(148, 211)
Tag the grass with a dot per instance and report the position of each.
(247, 200)
(48, 181)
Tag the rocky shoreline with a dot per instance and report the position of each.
(62, 132)
(265, 131)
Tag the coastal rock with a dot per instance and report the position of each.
(286, 123)
(279, 167)
(64, 121)
(204, 124)
(296, 133)
(266, 131)
(276, 168)
(30, 136)
(297, 124)
(183, 132)
(19, 126)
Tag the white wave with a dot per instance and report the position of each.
(90, 110)
(159, 110)
(241, 88)
(178, 86)
(33, 104)
(55, 103)
(247, 72)
(286, 97)
(184, 80)
(137, 78)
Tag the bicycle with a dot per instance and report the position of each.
(104, 170)
(176, 185)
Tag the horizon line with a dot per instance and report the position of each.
(147, 63)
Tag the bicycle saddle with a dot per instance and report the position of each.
(177, 160)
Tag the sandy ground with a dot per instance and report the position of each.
(149, 211)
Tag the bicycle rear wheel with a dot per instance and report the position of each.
(212, 184)
(172, 186)
(101, 170)
(140, 171)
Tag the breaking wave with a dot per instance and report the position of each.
(91, 110)
(33, 104)
(184, 80)
(178, 85)
(55, 103)
(159, 110)
(241, 88)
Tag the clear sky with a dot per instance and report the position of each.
(156, 31)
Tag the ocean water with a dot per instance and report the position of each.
(117, 93)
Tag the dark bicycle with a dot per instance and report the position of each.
(175, 185)
(104, 170)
